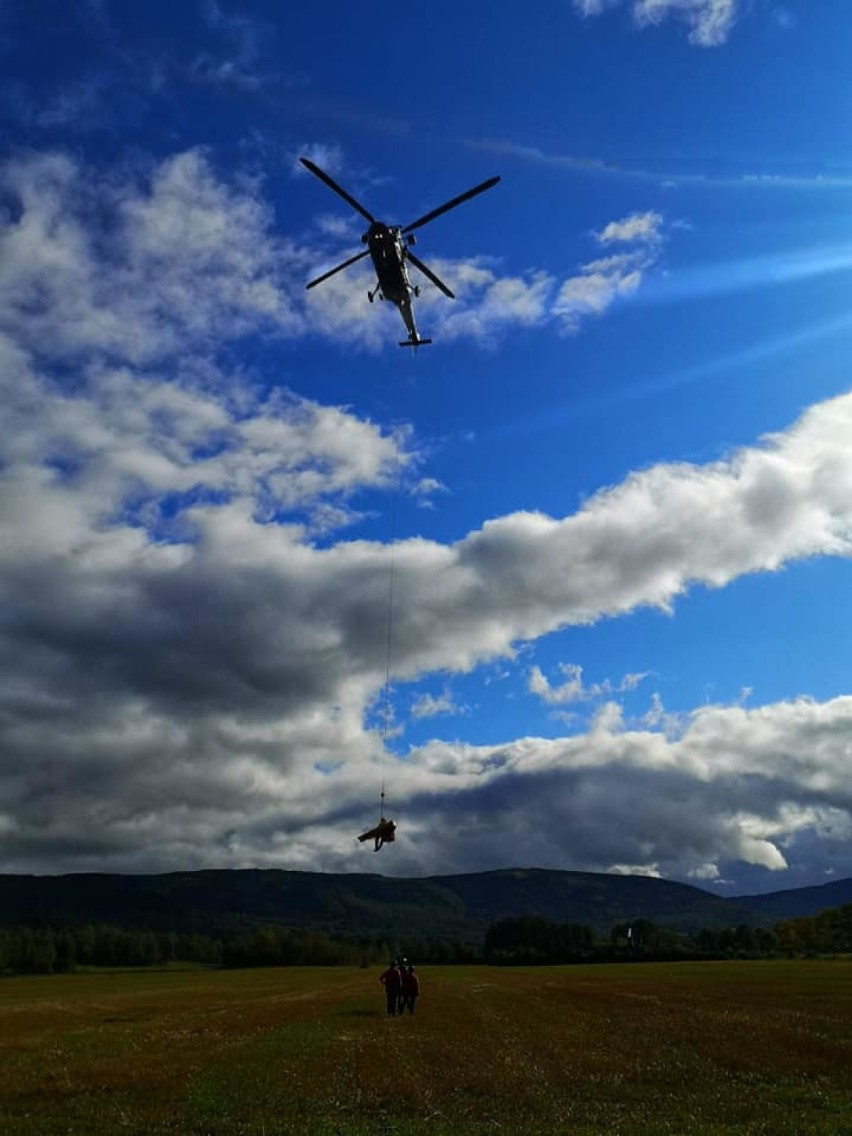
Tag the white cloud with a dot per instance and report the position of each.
(139, 269)
(608, 719)
(656, 715)
(649, 870)
(708, 872)
(236, 59)
(732, 786)
(431, 706)
(487, 304)
(185, 260)
(186, 674)
(594, 7)
(592, 293)
(658, 718)
(572, 690)
(327, 157)
(631, 680)
(427, 488)
(709, 21)
(668, 177)
(603, 281)
(636, 227)
(575, 689)
(131, 440)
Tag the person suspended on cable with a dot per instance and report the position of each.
(383, 833)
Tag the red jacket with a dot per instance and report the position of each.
(410, 983)
(391, 978)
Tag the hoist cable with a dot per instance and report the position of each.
(387, 711)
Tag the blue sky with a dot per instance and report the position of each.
(615, 491)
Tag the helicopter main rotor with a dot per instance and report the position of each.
(448, 205)
(340, 267)
(338, 189)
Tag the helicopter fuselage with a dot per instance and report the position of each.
(387, 248)
(387, 251)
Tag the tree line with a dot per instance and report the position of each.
(530, 941)
(47, 949)
(524, 941)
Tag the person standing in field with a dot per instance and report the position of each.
(392, 982)
(410, 989)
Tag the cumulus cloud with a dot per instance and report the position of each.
(733, 785)
(202, 699)
(709, 21)
(489, 303)
(602, 281)
(598, 286)
(188, 676)
(135, 271)
(139, 268)
(492, 303)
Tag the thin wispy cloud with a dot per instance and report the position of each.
(672, 175)
(239, 57)
(709, 21)
(574, 688)
(433, 706)
(328, 157)
(641, 227)
(787, 267)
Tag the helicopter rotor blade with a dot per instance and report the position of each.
(340, 267)
(418, 263)
(339, 190)
(427, 217)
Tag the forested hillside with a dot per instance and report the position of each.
(456, 908)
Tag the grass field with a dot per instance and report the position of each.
(699, 1048)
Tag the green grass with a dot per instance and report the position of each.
(759, 1049)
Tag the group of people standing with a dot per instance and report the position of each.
(402, 986)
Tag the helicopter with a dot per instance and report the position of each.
(390, 248)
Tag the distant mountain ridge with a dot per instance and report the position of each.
(797, 902)
(457, 907)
